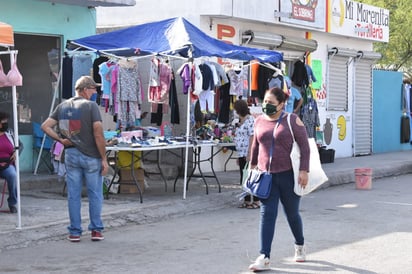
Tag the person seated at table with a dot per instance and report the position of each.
(243, 140)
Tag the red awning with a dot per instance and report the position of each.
(6, 35)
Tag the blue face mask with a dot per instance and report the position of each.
(94, 97)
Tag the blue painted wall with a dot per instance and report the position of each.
(387, 112)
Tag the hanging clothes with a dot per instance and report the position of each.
(82, 65)
(224, 102)
(405, 129)
(254, 76)
(13, 77)
(406, 121)
(264, 73)
(129, 94)
(96, 72)
(221, 74)
(173, 102)
(310, 117)
(185, 73)
(159, 85)
(237, 81)
(67, 77)
(300, 75)
(206, 87)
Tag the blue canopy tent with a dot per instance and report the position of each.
(175, 37)
(170, 37)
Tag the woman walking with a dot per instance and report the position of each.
(273, 125)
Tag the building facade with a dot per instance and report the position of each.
(334, 37)
(41, 29)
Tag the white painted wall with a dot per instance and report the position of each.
(147, 11)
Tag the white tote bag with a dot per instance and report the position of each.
(316, 175)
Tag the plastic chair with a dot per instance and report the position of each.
(45, 158)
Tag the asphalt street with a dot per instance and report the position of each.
(346, 231)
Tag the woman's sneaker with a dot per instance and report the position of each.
(261, 263)
(300, 253)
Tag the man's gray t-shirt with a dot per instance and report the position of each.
(75, 120)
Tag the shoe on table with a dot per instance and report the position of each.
(300, 253)
(97, 235)
(13, 209)
(74, 238)
(261, 263)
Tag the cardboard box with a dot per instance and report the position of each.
(127, 185)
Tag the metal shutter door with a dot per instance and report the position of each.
(362, 122)
(337, 98)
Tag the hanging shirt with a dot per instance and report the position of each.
(105, 76)
(237, 79)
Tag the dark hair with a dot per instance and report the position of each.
(278, 93)
(241, 107)
(4, 115)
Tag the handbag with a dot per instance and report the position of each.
(316, 175)
(259, 183)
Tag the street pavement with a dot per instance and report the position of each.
(44, 214)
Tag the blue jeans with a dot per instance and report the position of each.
(81, 167)
(11, 177)
(282, 189)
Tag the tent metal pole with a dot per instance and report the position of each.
(9, 52)
(187, 143)
(16, 141)
(56, 89)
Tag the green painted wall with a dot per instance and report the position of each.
(39, 17)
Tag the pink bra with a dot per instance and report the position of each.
(13, 77)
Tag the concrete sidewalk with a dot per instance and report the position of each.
(44, 215)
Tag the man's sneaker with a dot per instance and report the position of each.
(261, 263)
(74, 238)
(97, 235)
(300, 253)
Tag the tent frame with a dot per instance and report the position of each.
(12, 54)
(176, 46)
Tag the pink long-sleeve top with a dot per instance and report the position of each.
(262, 141)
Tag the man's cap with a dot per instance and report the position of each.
(85, 82)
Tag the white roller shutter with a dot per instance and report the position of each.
(337, 98)
(362, 122)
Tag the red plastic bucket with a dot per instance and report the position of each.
(363, 178)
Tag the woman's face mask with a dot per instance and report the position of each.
(4, 126)
(269, 109)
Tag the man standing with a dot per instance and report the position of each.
(80, 130)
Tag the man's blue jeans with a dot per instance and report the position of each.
(11, 177)
(81, 167)
(282, 189)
